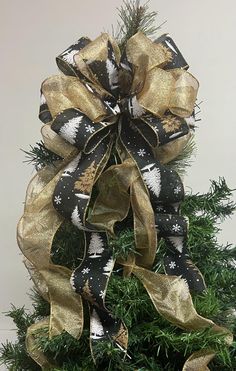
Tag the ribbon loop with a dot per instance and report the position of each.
(153, 100)
(65, 61)
(139, 45)
(102, 53)
(176, 59)
(184, 93)
(79, 130)
(63, 92)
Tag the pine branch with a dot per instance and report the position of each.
(184, 160)
(15, 356)
(123, 245)
(40, 156)
(217, 202)
(41, 306)
(135, 17)
(68, 246)
(22, 319)
(154, 344)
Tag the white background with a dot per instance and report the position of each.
(34, 32)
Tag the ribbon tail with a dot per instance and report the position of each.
(166, 191)
(66, 307)
(198, 361)
(35, 233)
(90, 279)
(32, 347)
(144, 219)
(172, 299)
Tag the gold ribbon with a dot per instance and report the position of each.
(176, 91)
(198, 361)
(32, 347)
(35, 233)
(119, 187)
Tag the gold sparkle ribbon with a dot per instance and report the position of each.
(35, 232)
(199, 361)
(31, 344)
(158, 91)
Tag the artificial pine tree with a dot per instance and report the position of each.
(154, 343)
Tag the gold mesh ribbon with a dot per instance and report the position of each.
(199, 361)
(157, 90)
(35, 233)
(35, 352)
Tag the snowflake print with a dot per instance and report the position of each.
(89, 129)
(85, 270)
(141, 152)
(57, 200)
(172, 265)
(176, 228)
(102, 294)
(177, 190)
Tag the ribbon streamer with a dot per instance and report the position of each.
(138, 104)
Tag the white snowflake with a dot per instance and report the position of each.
(141, 152)
(102, 294)
(57, 200)
(85, 270)
(89, 129)
(176, 228)
(177, 190)
(172, 265)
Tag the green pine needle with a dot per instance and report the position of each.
(40, 156)
(154, 343)
(135, 17)
(184, 160)
(123, 245)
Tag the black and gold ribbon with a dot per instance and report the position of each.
(138, 103)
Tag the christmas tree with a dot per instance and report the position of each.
(96, 246)
(154, 343)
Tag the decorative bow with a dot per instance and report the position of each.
(128, 105)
